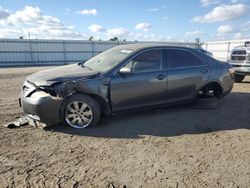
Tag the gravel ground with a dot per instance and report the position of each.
(166, 147)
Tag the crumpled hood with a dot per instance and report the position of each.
(60, 74)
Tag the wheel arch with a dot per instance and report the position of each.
(105, 107)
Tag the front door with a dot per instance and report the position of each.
(145, 85)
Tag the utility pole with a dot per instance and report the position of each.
(198, 42)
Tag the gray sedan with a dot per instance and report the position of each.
(123, 78)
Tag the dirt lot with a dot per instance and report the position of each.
(167, 147)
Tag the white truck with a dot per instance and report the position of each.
(239, 58)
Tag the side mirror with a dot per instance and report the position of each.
(125, 70)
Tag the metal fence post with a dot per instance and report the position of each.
(228, 48)
(31, 53)
(64, 53)
(92, 48)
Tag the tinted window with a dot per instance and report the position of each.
(146, 61)
(182, 58)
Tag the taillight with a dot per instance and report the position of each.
(231, 70)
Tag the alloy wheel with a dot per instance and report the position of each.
(78, 114)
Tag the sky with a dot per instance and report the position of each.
(141, 20)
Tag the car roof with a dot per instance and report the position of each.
(140, 46)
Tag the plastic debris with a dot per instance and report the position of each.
(25, 120)
(19, 122)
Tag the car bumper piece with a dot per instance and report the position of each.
(42, 107)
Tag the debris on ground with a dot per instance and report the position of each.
(21, 121)
(24, 120)
(35, 123)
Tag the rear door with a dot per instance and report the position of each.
(186, 73)
(146, 84)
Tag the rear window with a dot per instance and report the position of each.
(182, 58)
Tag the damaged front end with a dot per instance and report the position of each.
(60, 90)
(43, 103)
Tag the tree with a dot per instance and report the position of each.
(91, 38)
(114, 39)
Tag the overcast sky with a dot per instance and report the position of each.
(142, 20)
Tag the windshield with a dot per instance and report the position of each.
(107, 60)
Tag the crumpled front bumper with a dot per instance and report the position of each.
(41, 106)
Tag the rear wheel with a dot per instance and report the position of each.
(208, 96)
(80, 111)
(238, 78)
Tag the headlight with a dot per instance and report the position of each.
(50, 90)
(65, 89)
(60, 90)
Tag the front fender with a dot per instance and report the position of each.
(99, 89)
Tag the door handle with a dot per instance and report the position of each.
(204, 71)
(161, 77)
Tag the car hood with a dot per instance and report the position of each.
(60, 74)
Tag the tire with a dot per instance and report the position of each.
(238, 78)
(80, 111)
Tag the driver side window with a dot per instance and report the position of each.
(146, 62)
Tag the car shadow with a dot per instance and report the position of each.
(231, 114)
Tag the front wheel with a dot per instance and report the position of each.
(238, 78)
(80, 111)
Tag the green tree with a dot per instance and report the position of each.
(114, 39)
(91, 38)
